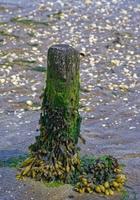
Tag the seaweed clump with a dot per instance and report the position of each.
(54, 157)
(101, 175)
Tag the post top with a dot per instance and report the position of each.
(62, 47)
(63, 61)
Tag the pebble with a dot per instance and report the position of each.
(29, 102)
(2, 81)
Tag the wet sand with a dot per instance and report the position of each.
(106, 33)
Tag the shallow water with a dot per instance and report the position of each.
(108, 36)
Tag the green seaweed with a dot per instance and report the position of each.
(3, 23)
(32, 44)
(2, 8)
(128, 193)
(125, 195)
(53, 184)
(28, 22)
(13, 162)
(39, 69)
(57, 15)
(4, 33)
(24, 61)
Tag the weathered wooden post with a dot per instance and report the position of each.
(62, 89)
(54, 154)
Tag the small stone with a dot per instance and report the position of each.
(115, 62)
(29, 102)
(132, 127)
(2, 80)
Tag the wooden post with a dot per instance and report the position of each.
(54, 155)
(55, 147)
(62, 87)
